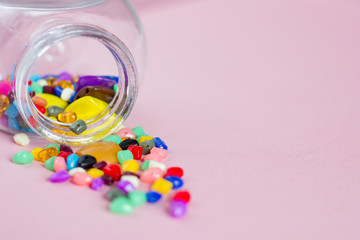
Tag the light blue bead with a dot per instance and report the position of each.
(13, 124)
(160, 143)
(23, 130)
(30, 131)
(30, 89)
(11, 111)
(72, 161)
(35, 77)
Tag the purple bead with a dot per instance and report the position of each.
(130, 174)
(100, 165)
(31, 94)
(64, 148)
(97, 183)
(125, 186)
(177, 209)
(94, 81)
(60, 176)
(49, 89)
(65, 76)
(108, 180)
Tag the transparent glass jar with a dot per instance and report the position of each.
(83, 37)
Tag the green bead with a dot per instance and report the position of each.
(138, 131)
(53, 145)
(49, 164)
(115, 87)
(113, 138)
(137, 198)
(124, 155)
(37, 87)
(114, 193)
(145, 165)
(121, 205)
(23, 157)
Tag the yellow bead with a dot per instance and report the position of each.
(53, 118)
(130, 166)
(162, 186)
(35, 153)
(4, 103)
(87, 107)
(67, 117)
(52, 100)
(145, 138)
(47, 153)
(64, 132)
(95, 173)
(66, 84)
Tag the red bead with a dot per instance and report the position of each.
(182, 196)
(174, 171)
(112, 170)
(29, 83)
(40, 108)
(32, 121)
(136, 151)
(64, 154)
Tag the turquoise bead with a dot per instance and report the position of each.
(37, 87)
(49, 164)
(124, 155)
(53, 145)
(23, 157)
(138, 131)
(137, 198)
(113, 138)
(121, 205)
(72, 161)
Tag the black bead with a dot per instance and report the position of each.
(87, 161)
(127, 142)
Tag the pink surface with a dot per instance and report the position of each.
(258, 103)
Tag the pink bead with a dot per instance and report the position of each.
(151, 175)
(126, 133)
(153, 157)
(81, 179)
(5, 87)
(159, 151)
(59, 164)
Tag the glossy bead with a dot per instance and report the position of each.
(49, 164)
(34, 77)
(150, 175)
(87, 108)
(72, 161)
(96, 184)
(81, 179)
(86, 161)
(78, 127)
(153, 197)
(153, 164)
(76, 170)
(54, 111)
(159, 151)
(114, 193)
(125, 186)
(102, 93)
(64, 155)
(67, 117)
(176, 181)
(153, 157)
(60, 176)
(53, 100)
(124, 155)
(95, 173)
(177, 209)
(136, 151)
(35, 153)
(40, 108)
(13, 124)
(138, 131)
(72, 97)
(100, 165)
(47, 153)
(113, 138)
(4, 103)
(127, 142)
(160, 143)
(115, 88)
(59, 164)
(5, 87)
(21, 139)
(58, 90)
(182, 196)
(144, 139)
(11, 111)
(102, 151)
(66, 94)
(49, 89)
(42, 82)
(174, 171)
(39, 101)
(132, 179)
(65, 76)
(66, 84)
(137, 198)
(147, 146)
(23, 157)
(65, 148)
(108, 180)
(130, 166)
(11, 97)
(126, 133)
(37, 87)
(53, 145)
(112, 170)
(121, 205)
(98, 81)
(162, 186)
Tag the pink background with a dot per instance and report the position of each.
(258, 102)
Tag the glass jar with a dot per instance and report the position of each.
(87, 37)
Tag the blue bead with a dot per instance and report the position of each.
(11, 111)
(13, 124)
(31, 131)
(35, 77)
(72, 161)
(153, 197)
(72, 97)
(23, 129)
(176, 181)
(116, 79)
(160, 143)
(30, 89)
(58, 91)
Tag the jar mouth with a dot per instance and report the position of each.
(50, 4)
(104, 124)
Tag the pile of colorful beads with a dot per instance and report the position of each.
(123, 161)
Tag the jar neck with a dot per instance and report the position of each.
(107, 122)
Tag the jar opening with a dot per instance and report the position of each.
(50, 4)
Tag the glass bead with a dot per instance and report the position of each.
(47, 153)
(4, 103)
(67, 117)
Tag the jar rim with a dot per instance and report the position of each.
(50, 4)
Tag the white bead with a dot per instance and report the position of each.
(75, 170)
(132, 179)
(67, 93)
(155, 164)
(42, 82)
(22, 139)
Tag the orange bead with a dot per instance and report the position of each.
(47, 153)
(4, 103)
(66, 84)
(67, 117)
